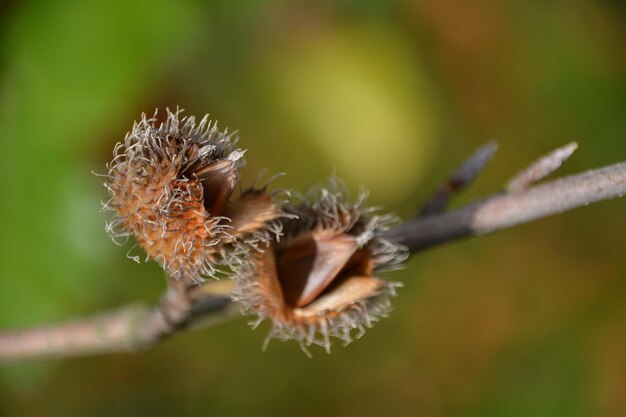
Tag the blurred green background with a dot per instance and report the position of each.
(390, 95)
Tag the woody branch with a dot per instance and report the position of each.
(136, 328)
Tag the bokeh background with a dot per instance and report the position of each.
(388, 94)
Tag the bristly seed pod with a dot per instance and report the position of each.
(170, 185)
(318, 280)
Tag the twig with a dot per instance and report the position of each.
(129, 329)
(459, 179)
(508, 210)
(136, 328)
(541, 168)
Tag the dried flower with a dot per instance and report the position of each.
(170, 185)
(318, 280)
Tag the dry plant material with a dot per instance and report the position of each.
(541, 168)
(171, 184)
(459, 179)
(319, 280)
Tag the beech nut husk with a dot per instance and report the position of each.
(321, 279)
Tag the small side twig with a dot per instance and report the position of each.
(541, 168)
(459, 179)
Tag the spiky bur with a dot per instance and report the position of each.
(319, 280)
(171, 184)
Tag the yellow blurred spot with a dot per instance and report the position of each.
(359, 96)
